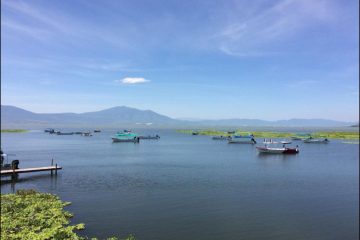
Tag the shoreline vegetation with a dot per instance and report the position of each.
(14, 130)
(330, 135)
(29, 214)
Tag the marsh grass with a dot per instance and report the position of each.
(330, 135)
(13, 130)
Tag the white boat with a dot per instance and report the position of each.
(242, 139)
(280, 150)
(270, 141)
(277, 150)
(86, 134)
(316, 140)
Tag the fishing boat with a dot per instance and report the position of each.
(97, 130)
(126, 137)
(49, 130)
(316, 140)
(66, 133)
(5, 165)
(150, 137)
(270, 141)
(220, 138)
(277, 150)
(242, 139)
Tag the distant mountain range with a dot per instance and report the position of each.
(16, 117)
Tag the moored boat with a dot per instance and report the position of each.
(279, 150)
(65, 133)
(5, 165)
(49, 130)
(220, 138)
(195, 133)
(150, 137)
(125, 137)
(270, 141)
(316, 140)
(242, 139)
(97, 130)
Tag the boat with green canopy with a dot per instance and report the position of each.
(126, 137)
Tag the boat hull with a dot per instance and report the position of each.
(241, 142)
(59, 133)
(124, 140)
(220, 138)
(149, 137)
(277, 150)
(246, 140)
(315, 141)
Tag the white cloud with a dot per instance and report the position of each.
(263, 32)
(133, 80)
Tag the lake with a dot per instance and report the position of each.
(193, 187)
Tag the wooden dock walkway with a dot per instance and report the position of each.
(29, 170)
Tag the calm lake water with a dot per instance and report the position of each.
(193, 187)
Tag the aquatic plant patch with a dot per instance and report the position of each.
(29, 215)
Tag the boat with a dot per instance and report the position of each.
(150, 137)
(277, 150)
(242, 139)
(270, 141)
(195, 133)
(86, 134)
(126, 137)
(66, 133)
(49, 130)
(5, 165)
(316, 140)
(97, 130)
(220, 138)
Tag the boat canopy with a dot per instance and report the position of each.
(125, 135)
(249, 135)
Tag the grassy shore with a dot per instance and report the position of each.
(13, 130)
(330, 135)
(29, 214)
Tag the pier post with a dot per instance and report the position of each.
(52, 163)
(56, 169)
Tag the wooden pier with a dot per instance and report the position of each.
(15, 172)
(28, 170)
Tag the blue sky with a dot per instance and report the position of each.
(185, 59)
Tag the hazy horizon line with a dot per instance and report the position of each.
(189, 118)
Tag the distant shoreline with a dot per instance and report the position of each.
(266, 134)
(14, 130)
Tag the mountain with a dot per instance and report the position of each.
(13, 117)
